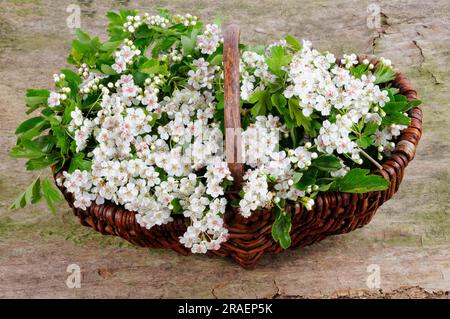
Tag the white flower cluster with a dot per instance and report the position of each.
(133, 22)
(173, 56)
(125, 56)
(270, 164)
(134, 179)
(91, 83)
(55, 98)
(321, 85)
(83, 70)
(210, 40)
(82, 129)
(186, 19)
(156, 20)
(203, 74)
(254, 68)
(153, 170)
(383, 139)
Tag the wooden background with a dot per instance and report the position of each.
(409, 239)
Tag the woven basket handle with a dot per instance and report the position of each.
(232, 112)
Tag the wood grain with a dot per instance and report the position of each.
(232, 111)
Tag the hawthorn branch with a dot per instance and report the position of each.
(371, 159)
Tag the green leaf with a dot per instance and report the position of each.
(412, 104)
(164, 12)
(33, 146)
(220, 101)
(78, 162)
(188, 44)
(399, 98)
(32, 194)
(110, 46)
(391, 94)
(62, 139)
(393, 107)
(216, 60)
(37, 92)
(235, 203)
(294, 44)
(297, 176)
(35, 131)
(327, 163)
(364, 141)
(262, 100)
(370, 128)
(279, 101)
(256, 96)
(163, 45)
(29, 124)
(325, 184)
(396, 118)
(308, 179)
(36, 191)
(32, 101)
(44, 143)
(20, 151)
(357, 181)
(82, 48)
(51, 195)
(281, 228)
(384, 74)
(73, 80)
(82, 36)
(107, 69)
(20, 202)
(35, 164)
(71, 77)
(36, 98)
(177, 208)
(359, 70)
(297, 115)
(278, 58)
(114, 17)
(151, 66)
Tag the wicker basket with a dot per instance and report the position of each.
(333, 212)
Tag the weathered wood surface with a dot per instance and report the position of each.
(232, 113)
(409, 238)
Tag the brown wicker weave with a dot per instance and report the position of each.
(333, 212)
